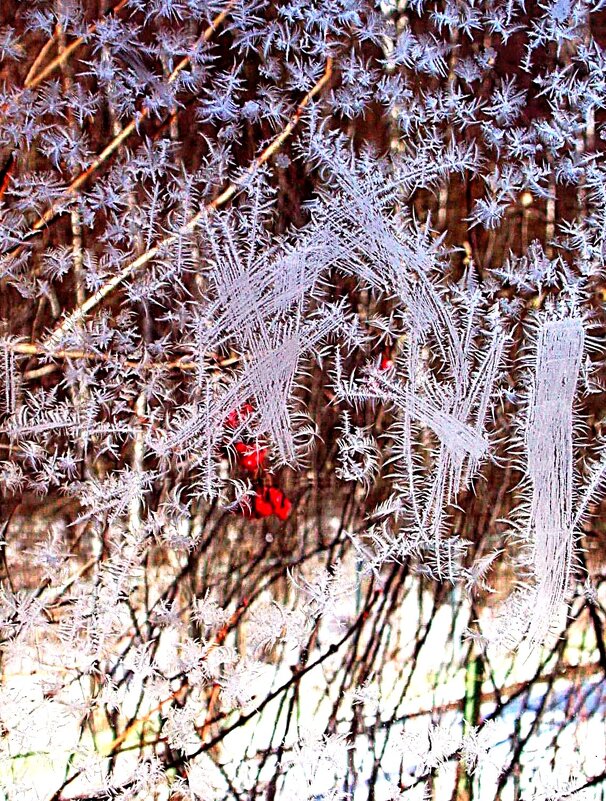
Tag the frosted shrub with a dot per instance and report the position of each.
(301, 384)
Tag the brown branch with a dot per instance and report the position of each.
(132, 267)
(298, 674)
(38, 60)
(275, 144)
(132, 126)
(112, 747)
(36, 349)
(5, 174)
(32, 80)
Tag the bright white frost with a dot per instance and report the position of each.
(282, 226)
(550, 466)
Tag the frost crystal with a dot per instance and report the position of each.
(550, 466)
(302, 398)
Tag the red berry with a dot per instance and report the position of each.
(232, 419)
(275, 495)
(237, 416)
(283, 510)
(251, 457)
(386, 362)
(280, 503)
(262, 507)
(249, 463)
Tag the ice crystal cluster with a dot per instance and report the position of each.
(301, 391)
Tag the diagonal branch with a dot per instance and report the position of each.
(31, 74)
(132, 267)
(36, 349)
(32, 80)
(132, 126)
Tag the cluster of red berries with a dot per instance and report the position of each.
(267, 500)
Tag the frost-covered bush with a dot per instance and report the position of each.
(301, 385)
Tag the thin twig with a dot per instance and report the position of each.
(132, 126)
(38, 60)
(78, 314)
(36, 349)
(32, 80)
